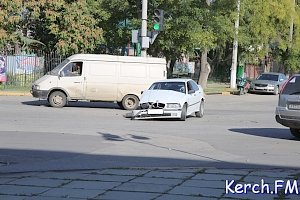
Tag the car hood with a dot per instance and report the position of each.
(264, 82)
(162, 96)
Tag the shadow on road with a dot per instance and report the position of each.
(76, 152)
(82, 104)
(279, 133)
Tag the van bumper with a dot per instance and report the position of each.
(41, 94)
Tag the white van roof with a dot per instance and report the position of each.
(105, 57)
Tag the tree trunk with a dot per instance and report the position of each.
(205, 70)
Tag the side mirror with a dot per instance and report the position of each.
(191, 91)
(60, 74)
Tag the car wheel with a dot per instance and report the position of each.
(200, 113)
(57, 99)
(130, 102)
(276, 90)
(295, 132)
(183, 113)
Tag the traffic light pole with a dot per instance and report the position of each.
(144, 26)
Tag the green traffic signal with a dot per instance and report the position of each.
(156, 27)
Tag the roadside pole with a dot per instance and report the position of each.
(144, 37)
(235, 49)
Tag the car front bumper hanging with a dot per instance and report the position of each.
(155, 113)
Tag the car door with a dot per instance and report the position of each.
(193, 97)
(71, 79)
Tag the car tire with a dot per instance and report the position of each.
(295, 132)
(200, 113)
(57, 99)
(183, 113)
(276, 90)
(130, 102)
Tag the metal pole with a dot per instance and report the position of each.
(144, 25)
(235, 49)
(292, 25)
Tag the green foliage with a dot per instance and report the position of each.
(10, 17)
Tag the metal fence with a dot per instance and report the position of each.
(22, 68)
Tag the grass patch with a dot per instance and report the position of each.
(217, 87)
(15, 88)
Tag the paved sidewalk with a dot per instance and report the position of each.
(147, 184)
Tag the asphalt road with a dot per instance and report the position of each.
(236, 132)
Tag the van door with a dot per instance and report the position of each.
(72, 79)
(101, 81)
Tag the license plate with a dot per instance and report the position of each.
(294, 106)
(155, 111)
(259, 88)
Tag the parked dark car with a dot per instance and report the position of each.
(270, 82)
(288, 109)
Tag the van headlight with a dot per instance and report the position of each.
(35, 87)
(173, 105)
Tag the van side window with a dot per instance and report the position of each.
(72, 69)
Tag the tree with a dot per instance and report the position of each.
(10, 17)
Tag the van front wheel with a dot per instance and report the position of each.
(57, 99)
(130, 102)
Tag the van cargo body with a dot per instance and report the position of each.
(99, 78)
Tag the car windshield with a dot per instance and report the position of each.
(55, 71)
(271, 77)
(174, 86)
(292, 87)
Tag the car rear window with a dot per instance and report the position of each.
(292, 86)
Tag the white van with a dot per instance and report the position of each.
(100, 78)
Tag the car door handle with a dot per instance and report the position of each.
(77, 82)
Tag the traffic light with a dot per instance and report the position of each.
(158, 19)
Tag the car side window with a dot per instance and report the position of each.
(292, 86)
(194, 85)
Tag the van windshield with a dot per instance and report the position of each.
(55, 71)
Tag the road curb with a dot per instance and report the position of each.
(218, 93)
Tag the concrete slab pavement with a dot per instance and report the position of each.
(152, 184)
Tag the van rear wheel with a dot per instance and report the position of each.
(57, 99)
(130, 102)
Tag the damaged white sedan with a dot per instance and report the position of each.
(171, 98)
